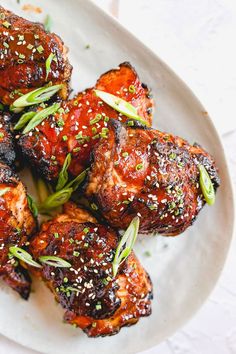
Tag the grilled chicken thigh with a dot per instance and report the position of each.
(82, 121)
(92, 298)
(24, 48)
(151, 174)
(16, 225)
(7, 153)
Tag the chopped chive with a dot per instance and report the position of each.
(6, 24)
(125, 154)
(30, 46)
(40, 49)
(76, 253)
(132, 89)
(56, 234)
(139, 166)
(94, 206)
(97, 118)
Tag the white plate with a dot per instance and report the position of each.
(183, 269)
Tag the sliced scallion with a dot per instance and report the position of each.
(40, 116)
(48, 64)
(23, 256)
(32, 205)
(48, 23)
(55, 200)
(206, 185)
(76, 182)
(63, 175)
(62, 196)
(25, 118)
(120, 105)
(34, 97)
(54, 261)
(125, 245)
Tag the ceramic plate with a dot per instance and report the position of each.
(183, 269)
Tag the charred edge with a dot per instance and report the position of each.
(7, 176)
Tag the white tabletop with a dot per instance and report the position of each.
(196, 39)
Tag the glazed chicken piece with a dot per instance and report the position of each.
(24, 49)
(151, 174)
(81, 122)
(93, 300)
(7, 152)
(16, 225)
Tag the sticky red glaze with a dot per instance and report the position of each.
(16, 225)
(24, 49)
(150, 174)
(99, 303)
(48, 139)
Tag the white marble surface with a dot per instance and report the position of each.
(196, 39)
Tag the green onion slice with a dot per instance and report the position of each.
(25, 118)
(62, 196)
(40, 116)
(126, 244)
(206, 185)
(48, 23)
(63, 175)
(55, 200)
(32, 205)
(23, 256)
(120, 105)
(48, 64)
(70, 288)
(76, 182)
(54, 261)
(3, 191)
(34, 97)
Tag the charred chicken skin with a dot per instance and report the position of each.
(151, 174)
(24, 49)
(16, 225)
(7, 152)
(81, 122)
(92, 298)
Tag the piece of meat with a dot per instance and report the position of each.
(16, 225)
(92, 298)
(7, 152)
(24, 49)
(74, 129)
(151, 174)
